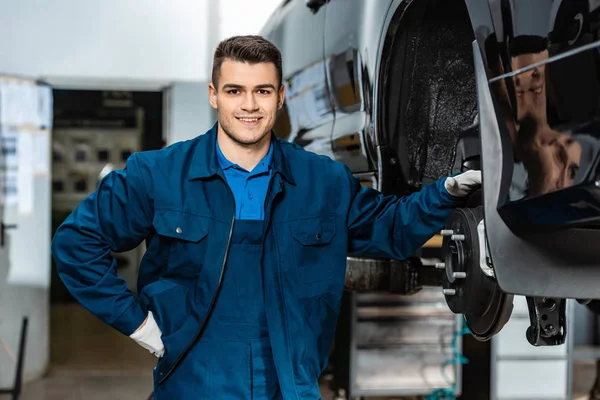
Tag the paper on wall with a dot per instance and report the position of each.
(3, 104)
(8, 143)
(45, 107)
(15, 100)
(24, 151)
(10, 188)
(30, 106)
(41, 153)
(9, 164)
(27, 268)
(25, 104)
(28, 274)
(25, 172)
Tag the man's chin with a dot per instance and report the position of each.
(244, 140)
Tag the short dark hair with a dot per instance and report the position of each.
(252, 49)
(527, 44)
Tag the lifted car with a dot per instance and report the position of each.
(407, 92)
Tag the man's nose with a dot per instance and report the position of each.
(250, 103)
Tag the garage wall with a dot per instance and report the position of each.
(111, 39)
(240, 22)
(188, 113)
(133, 42)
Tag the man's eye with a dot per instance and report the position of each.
(233, 91)
(573, 170)
(262, 91)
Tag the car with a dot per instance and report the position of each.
(405, 92)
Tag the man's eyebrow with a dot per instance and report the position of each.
(232, 86)
(265, 86)
(237, 86)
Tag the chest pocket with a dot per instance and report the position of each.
(183, 239)
(314, 260)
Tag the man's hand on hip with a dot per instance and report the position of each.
(462, 184)
(148, 335)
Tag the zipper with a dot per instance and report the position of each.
(214, 298)
(268, 206)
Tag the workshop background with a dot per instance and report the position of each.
(83, 84)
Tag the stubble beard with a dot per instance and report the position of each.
(241, 142)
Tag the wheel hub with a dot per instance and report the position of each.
(468, 284)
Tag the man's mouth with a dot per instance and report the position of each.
(537, 90)
(249, 120)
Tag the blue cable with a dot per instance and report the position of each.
(458, 358)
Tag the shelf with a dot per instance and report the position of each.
(421, 311)
(399, 372)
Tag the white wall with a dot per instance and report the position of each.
(244, 17)
(108, 40)
(189, 113)
(121, 43)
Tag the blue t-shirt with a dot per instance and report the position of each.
(249, 187)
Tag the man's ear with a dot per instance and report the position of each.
(281, 97)
(212, 95)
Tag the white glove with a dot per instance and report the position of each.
(462, 184)
(149, 337)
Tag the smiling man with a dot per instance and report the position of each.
(247, 237)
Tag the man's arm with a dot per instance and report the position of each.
(389, 226)
(116, 217)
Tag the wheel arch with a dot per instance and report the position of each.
(418, 136)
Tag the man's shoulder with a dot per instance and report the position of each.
(305, 160)
(176, 153)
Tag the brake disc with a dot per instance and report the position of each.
(469, 285)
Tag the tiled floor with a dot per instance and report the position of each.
(120, 386)
(137, 385)
(90, 361)
(87, 385)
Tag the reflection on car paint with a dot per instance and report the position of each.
(545, 81)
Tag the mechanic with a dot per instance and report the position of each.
(276, 220)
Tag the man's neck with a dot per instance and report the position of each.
(246, 157)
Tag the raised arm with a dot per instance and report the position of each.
(393, 227)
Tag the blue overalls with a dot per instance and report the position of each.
(233, 358)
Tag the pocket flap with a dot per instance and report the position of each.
(180, 225)
(314, 231)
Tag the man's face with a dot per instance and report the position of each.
(553, 162)
(247, 99)
(530, 86)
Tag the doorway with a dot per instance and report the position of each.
(94, 133)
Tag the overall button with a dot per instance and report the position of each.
(318, 236)
(178, 230)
